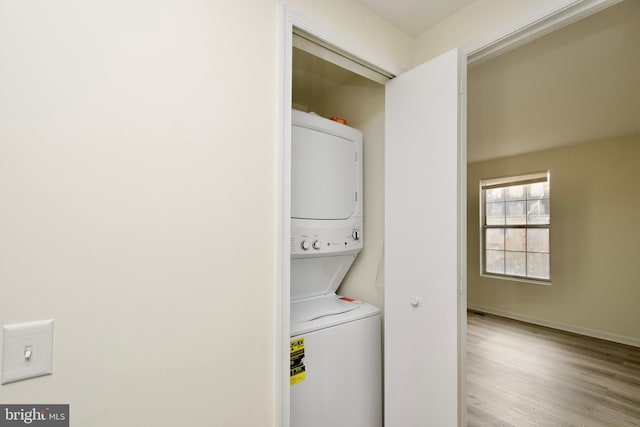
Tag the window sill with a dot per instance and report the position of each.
(517, 279)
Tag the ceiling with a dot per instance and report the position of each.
(577, 84)
(414, 17)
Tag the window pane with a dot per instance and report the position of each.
(539, 190)
(516, 263)
(494, 239)
(516, 214)
(538, 240)
(495, 214)
(516, 239)
(516, 192)
(494, 261)
(538, 211)
(538, 266)
(494, 195)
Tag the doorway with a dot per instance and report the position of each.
(572, 106)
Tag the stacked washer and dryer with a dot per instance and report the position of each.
(336, 368)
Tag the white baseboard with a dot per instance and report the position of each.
(622, 339)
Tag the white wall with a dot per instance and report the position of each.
(137, 178)
(473, 21)
(364, 30)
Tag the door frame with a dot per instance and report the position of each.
(290, 18)
(501, 39)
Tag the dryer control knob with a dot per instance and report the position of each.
(305, 245)
(355, 234)
(316, 244)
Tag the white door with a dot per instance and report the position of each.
(421, 245)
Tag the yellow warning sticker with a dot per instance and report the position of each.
(296, 353)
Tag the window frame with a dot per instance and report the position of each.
(486, 184)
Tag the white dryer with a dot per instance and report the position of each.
(336, 368)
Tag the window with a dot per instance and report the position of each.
(515, 223)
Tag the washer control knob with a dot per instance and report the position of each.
(316, 244)
(305, 245)
(355, 234)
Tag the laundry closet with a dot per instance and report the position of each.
(329, 90)
(336, 335)
(410, 127)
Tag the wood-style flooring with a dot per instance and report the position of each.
(525, 375)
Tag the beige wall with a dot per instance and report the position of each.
(473, 21)
(138, 187)
(595, 203)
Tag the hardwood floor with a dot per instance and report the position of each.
(525, 375)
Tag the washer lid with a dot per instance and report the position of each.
(332, 309)
(316, 308)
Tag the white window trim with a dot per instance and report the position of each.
(514, 278)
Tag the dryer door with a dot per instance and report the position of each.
(323, 175)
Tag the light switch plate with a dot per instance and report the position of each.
(27, 350)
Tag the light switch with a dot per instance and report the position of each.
(27, 350)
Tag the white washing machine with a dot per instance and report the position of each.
(342, 364)
(336, 367)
